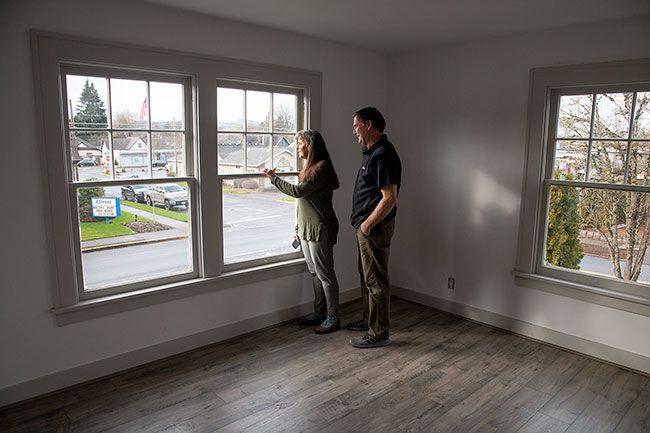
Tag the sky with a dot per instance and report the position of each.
(166, 99)
(129, 95)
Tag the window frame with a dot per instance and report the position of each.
(546, 87)
(74, 185)
(49, 51)
(301, 121)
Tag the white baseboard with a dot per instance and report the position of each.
(73, 376)
(115, 364)
(630, 360)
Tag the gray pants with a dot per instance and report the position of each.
(320, 262)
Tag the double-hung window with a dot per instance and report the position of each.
(256, 126)
(154, 165)
(130, 177)
(586, 217)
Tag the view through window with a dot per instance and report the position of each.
(255, 131)
(598, 194)
(127, 155)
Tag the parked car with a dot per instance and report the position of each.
(159, 163)
(168, 195)
(135, 193)
(87, 162)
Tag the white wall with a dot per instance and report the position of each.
(30, 343)
(459, 116)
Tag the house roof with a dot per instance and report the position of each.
(257, 156)
(127, 143)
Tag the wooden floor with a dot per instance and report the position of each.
(441, 374)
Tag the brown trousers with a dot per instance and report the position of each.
(374, 251)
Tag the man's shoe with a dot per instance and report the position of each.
(359, 325)
(368, 341)
(311, 319)
(330, 324)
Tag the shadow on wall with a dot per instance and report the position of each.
(465, 228)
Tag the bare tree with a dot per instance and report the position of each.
(621, 217)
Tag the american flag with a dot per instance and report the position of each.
(144, 110)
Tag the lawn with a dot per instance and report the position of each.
(101, 230)
(158, 211)
(238, 191)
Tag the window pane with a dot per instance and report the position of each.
(598, 231)
(284, 112)
(284, 153)
(608, 161)
(639, 171)
(131, 154)
(129, 104)
(258, 111)
(167, 151)
(258, 220)
(570, 159)
(141, 243)
(86, 101)
(641, 127)
(167, 106)
(258, 151)
(230, 153)
(574, 120)
(612, 118)
(230, 109)
(90, 156)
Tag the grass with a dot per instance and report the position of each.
(158, 211)
(236, 191)
(101, 230)
(288, 199)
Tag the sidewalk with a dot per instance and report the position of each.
(178, 231)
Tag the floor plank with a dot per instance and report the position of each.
(440, 374)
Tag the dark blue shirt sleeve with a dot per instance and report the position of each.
(386, 173)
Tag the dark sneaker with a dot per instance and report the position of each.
(369, 341)
(359, 325)
(330, 324)
(311, 319)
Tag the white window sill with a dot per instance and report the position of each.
(112, 304)
(609, 298)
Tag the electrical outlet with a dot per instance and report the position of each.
(451, 283)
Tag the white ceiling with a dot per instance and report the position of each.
(397, 25)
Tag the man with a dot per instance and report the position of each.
(374, 206)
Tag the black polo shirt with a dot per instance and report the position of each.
(380, 167)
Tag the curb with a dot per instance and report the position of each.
(128, 244)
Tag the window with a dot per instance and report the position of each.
(586, 215)
(256, 126)
(133, 213)
(128, 138)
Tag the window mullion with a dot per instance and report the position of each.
(245, 131)
(629, 140)
(271, 127)
(109, 122)
(591, 137)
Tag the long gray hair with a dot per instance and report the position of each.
(318, 158)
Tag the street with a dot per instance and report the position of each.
(604, 266)
(256, 225)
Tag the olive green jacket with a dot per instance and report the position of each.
(314, 207)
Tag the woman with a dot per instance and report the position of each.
(317, 226)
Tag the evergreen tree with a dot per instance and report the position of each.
(563, 246)
(91, 112)
(84, 199)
